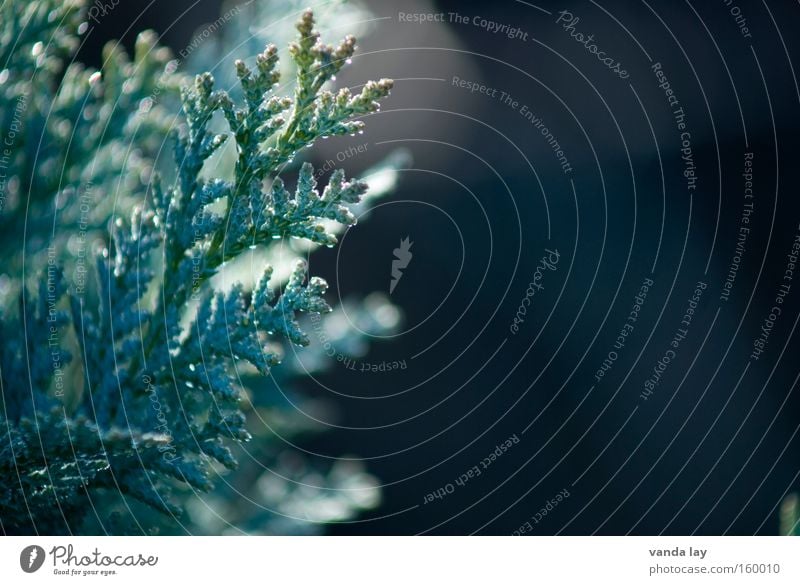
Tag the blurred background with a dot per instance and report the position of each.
(471, 422)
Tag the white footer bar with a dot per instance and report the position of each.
(402, 560)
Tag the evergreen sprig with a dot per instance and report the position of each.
(155, 403)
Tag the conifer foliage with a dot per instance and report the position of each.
(128, 385)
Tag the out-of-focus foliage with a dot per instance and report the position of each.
(790, 516)
(73, 136)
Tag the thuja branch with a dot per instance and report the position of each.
(252, 214)
(159, 403)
